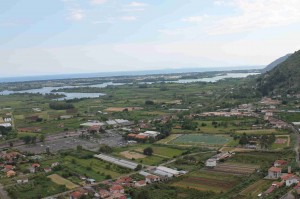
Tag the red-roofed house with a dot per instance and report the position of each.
(286, 176)
(116, 189)
(8, 168)
(76, 195)
(35, 165)
(280, 163)
(104, 193)
(10, 173)
(140, 183)
(274, 172)
(292, 180)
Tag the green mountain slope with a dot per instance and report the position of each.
(284, 78)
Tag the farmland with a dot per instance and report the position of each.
(255, 189)
(62, 181)
(208, 181)
(235, 169)
(199, 139)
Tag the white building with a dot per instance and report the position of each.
(153, 134)
(165, 171)
(211, 163)
(292, 180)
(117, 161)
(6, 125)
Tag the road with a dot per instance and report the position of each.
(296, 148)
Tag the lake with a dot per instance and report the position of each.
(47, 90)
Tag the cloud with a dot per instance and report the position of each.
(76, 14)
(194, 19)
(98, 1)
(136, 4)
(128, 18)
(257, 14)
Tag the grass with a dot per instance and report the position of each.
(261, 132)
(200, 139)
(62, 181)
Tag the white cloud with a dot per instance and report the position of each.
(257, 14)
(98, 1)
(76, 14)
(128, 18)
(194, 19)
(136, 4)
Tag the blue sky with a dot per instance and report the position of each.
(82, 36)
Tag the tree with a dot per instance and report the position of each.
(42, 138)
(26, 139)
(148, 151)
(105, 149)
(244, 140)
(139, 167)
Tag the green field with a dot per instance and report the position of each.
(262, 132)
(200, 139)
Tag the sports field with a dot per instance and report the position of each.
(201, 139)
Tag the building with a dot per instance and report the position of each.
(117, 161)
(152, 178)
(140, 183)
(115, 189)
(292, 180)
(280, 163)
(103, 193)
(47, 170)
(211, 163)
(152, 134)
(10, 173)
(166, 172)
(274, 172)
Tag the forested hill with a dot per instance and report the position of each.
(284, 78)
(276, 63)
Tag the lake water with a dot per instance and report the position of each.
(47, 90)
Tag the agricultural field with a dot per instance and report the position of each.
(208, 181)
(201, 139)
(159, 155)
(262, 132)
(263, 159)
(254, 189)
(62, 181)
(234, 169)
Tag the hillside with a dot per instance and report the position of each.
(284, 78)
(276, 63)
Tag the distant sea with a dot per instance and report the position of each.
(123, 73)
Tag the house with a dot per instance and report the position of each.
(10, 173)
(280, 163)
(90, 181)
(103, 193)
(47, 170)
(8, 168)
(124, 180)
(274, 172)
(23, 181)
(116, 189)
(31, 169)
(292, 180)
(131, 136)
(76, 195)
(140, 183)
(211, 163)
(152, 178)
(54, 164)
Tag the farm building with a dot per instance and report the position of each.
(92, 123)
(165, 171)
(274, 172)
(153, 134)
(117, 161)
(152, 178)
(144, 173)
(211, 163)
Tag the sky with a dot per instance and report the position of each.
(46, 37)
